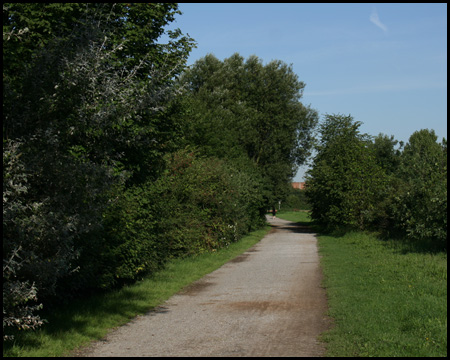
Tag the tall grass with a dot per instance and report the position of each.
(386, 298)
(89, 319)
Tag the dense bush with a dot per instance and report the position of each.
(18, 293)
(366, 183)
(420, 207)
(205, 203)
(346, 183)
(199, 204)
(78, 121)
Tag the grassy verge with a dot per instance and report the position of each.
(386, 299)
(297, 216)
(91, 319)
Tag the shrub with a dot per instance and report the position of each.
(206, 203)
(19, 296)
(346, 183)
(420, 208)
(198, 204)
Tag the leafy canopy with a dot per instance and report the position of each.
(243, 109)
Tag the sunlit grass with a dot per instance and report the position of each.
(92, 318)
(296, 216)
(386, 298)
(384, 302)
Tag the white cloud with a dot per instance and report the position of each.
(376, 20)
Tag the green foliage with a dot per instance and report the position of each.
(205, 204)
(296, 200)
(346, 183)
(132, 245)
(136, 27)
(39, 233)
(239, 109)
(199, 204)
(421, 204)
(77, 123)
(387, 155)
(17, 311)
(360, 183)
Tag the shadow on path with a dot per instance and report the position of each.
(290, 226)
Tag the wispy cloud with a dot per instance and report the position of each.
(376, 20)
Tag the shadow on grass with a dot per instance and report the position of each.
(397, 242)
(405, 246)
(88, 318)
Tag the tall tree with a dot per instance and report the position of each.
(29, 27)
(246, 109)
(86, 90)
(36, 74)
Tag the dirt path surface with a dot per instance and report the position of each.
(266, 302)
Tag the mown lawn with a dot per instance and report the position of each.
(92, 318)
(386, 298)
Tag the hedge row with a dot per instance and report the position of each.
(199, 204)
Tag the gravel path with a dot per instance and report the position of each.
(266, 302)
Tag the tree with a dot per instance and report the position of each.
(421, 205)
(29, 27)
(345, 182)
(387, 152)
(81, 116)
(244, 109)
(126, 34)
(387, 155)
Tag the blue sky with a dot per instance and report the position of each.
(384, 64)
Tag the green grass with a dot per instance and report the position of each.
(92, 318)
(384, 301)
(297, 216)
(386, 298)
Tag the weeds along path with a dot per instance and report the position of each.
(266, 302)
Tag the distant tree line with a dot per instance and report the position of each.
(117, 157)
(295, 200)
